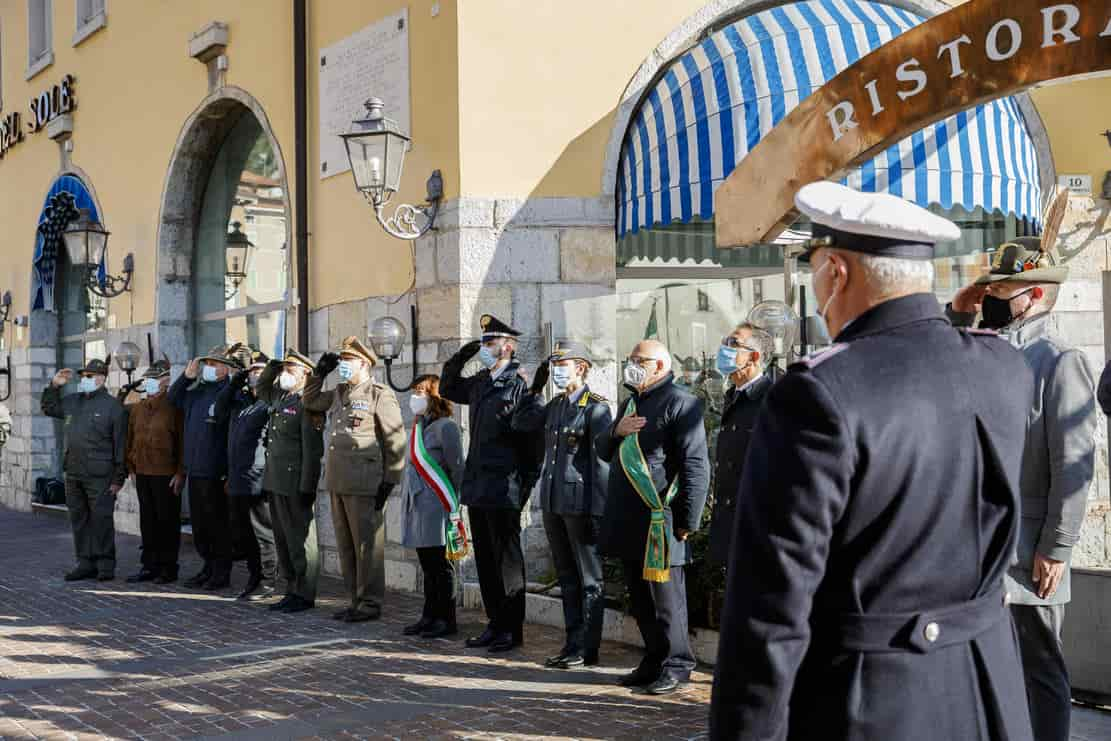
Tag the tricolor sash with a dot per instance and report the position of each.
(657, 558)
(455, 534)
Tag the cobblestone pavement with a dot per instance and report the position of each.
(91, 660)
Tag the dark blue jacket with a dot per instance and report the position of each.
(246, 421)
(206, 431)
(877, 514)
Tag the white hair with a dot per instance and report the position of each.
(895, 276)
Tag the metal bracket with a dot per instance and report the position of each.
(389, 361)
(114, 285)
(411, 222)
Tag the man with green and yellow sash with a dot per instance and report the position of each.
(658, 481)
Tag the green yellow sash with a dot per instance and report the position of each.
(657, 558)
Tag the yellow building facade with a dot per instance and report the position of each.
(185, 124)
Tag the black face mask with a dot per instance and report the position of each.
(996, 312)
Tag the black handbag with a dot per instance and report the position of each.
(49, 491)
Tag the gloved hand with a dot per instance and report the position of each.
(384, 490)
(540, 380)
(239, 380)
(328, 362)
(469, 350)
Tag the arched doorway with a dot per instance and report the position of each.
(227, 169)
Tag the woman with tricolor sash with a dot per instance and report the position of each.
(431, 517)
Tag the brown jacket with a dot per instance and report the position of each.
(364, 436)
(155, 433)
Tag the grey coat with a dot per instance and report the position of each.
(422, 514)
(1059, 463)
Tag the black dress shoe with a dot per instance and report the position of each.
(143, 575)
(341, 614)
(565, 661)
(198, 580)
(361, 616)
(80, 574)
(217, 582)
(417, 628)
(665, 685)
(298, 604)
(638, 678)
(166, 577)
(504, 642)
(590, 659)
(253, 583)
(105, 577)
(482, 641)
(439, 629)
(553, 660)
(282, 603)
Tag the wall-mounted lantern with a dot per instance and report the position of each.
(376, 149)
(237, 250)
(127, 358)
(87, 247)
(387, 336)
(6, 371)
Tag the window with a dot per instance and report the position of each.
(40, 54)
(91, 17)
(703, 301)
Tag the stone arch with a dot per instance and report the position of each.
(713, 14)
(182, 197)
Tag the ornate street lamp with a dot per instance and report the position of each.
(86, 243)
(387, 336)
(376, 149)
(779, 320)
(237, 248)
(127, 358)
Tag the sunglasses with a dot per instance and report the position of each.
(731, 341)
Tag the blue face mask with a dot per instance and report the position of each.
(86, 385)
(727, 360)
(346, 369)
(152, 386)
(209, 374)
(487, 358)
(561, 376)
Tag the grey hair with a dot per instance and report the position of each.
(895, 276)
(760, 340)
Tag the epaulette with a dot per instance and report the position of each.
(598, 398)
(814, 359)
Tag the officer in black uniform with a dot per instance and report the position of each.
(572, 492)
(501, 469)
(879, 508)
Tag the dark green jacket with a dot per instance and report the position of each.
(294, 443)
(95, 433)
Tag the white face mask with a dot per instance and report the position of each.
(418, 405)
(87, 385)
(635, 375)
(209, 374)
(152, 386)
(287, 381)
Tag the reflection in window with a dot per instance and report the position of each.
(245, 186)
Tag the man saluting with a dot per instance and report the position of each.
(878, 511)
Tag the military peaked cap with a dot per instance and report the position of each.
(157, 369)
(99, 367)
(493, 327)
(352, 346)
(292, 357)
(566, 350)
(1022, 259)
(259, 359)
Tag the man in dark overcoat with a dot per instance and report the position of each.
(879, 508)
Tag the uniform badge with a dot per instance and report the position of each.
(361, 405)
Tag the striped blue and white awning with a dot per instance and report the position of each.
(714, 103)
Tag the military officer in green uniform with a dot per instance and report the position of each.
(93, 462)
(366, 455)
(293, 451)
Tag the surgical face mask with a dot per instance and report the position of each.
(346, 369)
(635, 374)
(418, 405)
(287, 381)
(487, 357)
(726, 360)
(208, 373)
(152, 386)
(87, 385)
(562, 375)
(997, 312)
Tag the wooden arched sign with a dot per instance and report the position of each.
(974, 53)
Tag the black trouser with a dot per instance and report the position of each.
(253, 534)
(208, 513)
(159, 523)
(579, 568)
(439, 584)
(92, 509)
(1043, 664)
(501, 567)
(660, 609)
